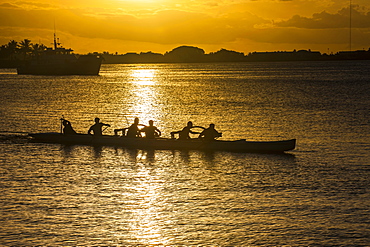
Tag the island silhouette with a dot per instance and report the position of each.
(13, 53)
(191, 54)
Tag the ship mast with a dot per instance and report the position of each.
(56, 41)
(350, 25)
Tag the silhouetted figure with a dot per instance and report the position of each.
(97, 128)
(210, 134)
(67, 127)
(151, 131)
(184, 134)
(132, 131)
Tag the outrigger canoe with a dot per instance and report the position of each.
(169, 144)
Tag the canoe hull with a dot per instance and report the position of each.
(164, 143)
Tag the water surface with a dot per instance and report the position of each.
(317, 194)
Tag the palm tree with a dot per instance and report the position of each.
(12, 48)
(13, 45)
(3, 53)
(25, 47)
(38, 48)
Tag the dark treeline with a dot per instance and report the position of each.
(14, 52)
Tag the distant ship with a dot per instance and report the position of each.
(60, 61)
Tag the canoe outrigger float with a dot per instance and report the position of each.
(167, 144)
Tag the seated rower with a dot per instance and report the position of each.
(151, 131)
(132, 131)
(210, 134)
(67, 127)
(184, 134)
(96, 128)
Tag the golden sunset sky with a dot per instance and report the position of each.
(161, 25)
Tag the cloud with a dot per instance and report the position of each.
(8, 6)
(165, 27)
(324, 20)
(27, 5)
(212, 4)
(236, 25)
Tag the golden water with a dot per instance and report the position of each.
(317, 194)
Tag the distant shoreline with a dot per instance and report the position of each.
(190, 54)
(258, 57)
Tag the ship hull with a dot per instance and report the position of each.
(83, 65)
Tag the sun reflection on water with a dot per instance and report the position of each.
(143, 76)
(145, 93)
(146, 223)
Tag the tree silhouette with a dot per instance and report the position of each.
(11, 49)
(38, 48)
(25, 47)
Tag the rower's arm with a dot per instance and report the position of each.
(173, 134)
(118, 130)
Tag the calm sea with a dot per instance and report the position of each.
(317, 195)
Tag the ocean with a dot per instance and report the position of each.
(315, 195)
